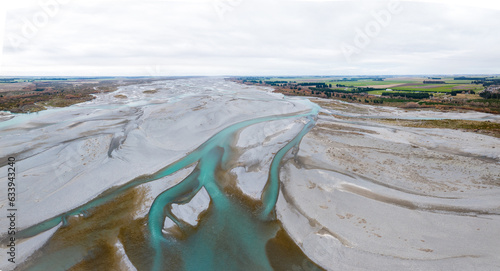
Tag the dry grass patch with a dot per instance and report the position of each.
(484, 127)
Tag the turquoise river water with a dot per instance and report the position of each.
(231, 235)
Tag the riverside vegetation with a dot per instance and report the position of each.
(479, 93)
(34, 94)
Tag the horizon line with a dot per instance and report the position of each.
(250, 75)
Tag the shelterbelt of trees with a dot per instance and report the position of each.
(467, 99)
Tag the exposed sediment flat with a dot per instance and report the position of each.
(357, 193)
(67, 157)
(361, 195)
(73, 154)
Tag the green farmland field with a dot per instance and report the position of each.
(440, 87)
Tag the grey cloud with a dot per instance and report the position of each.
(254, 37)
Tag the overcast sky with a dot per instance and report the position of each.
(249, 37)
